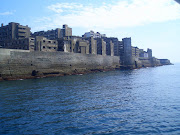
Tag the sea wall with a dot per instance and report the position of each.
(17, 64)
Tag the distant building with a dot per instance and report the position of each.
(73, 44)
(66, 31)
(93, 34)
(50, 34)
(145, 54)
(111, 43)
(55, 34)
(149, 51)
(24, 44)
(92, 45)
(101, 46)
(126, 52)
(164, 61)
(135, 52)
(13, 31)
(45, 45)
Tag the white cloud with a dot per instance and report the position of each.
(120, 14)
(6, 13)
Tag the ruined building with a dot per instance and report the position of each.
(73, 44)
(13, 31)
(55, 34)
(45, 45)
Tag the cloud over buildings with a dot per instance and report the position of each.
(123, 13)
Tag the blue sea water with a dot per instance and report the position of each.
(143, 101)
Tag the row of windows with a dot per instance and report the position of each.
(49, 47)
(49, 41)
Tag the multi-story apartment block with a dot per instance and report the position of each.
(73, 44)
(92, 45)
(66, 31)
(45, 45)
(109, 42)
(55, 34)
(126, 51)
(24, 44)
(93, 34)
(149, 51)
(13, 31)
(135, 52)
(101, 46)
(143, 53)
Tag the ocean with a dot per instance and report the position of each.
(142, 101)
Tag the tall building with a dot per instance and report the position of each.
(126, 52)
(66, 31)
(114, 41)
(45, 45)
(13, 31)
(135, 52)
(101, 46)
(92, 45)
(149, 51)
(73, 44)
(50, 34)
(55, 34)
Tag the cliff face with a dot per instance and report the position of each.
(17, 64)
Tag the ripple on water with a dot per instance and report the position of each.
(144, 101)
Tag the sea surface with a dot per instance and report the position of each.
(142, 101)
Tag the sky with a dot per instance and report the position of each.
(153, 24)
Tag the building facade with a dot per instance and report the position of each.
(45, 45)
(55, 34)
(13, 31)
(135, 52)
(93, 34)
(126, 52)
(73, 44)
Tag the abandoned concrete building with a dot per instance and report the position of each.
(101, 46)
(24, 43)
(135, 52)
(54, 34)
(13, 31)
(92, 45)
(46, 45)
(73, 44)
(16, 36)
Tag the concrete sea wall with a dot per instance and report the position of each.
(17, 64)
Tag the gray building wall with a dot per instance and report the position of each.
(24, 44)
(73, 44)
(45, 45)
(149, 51)
(101, 46)
(127, 52)
(13, 31)
(54, 34)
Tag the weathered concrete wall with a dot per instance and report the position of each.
(150, 62)
(16, 64)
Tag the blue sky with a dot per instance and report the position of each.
(151, 24)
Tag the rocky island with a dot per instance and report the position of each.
(24, 54)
